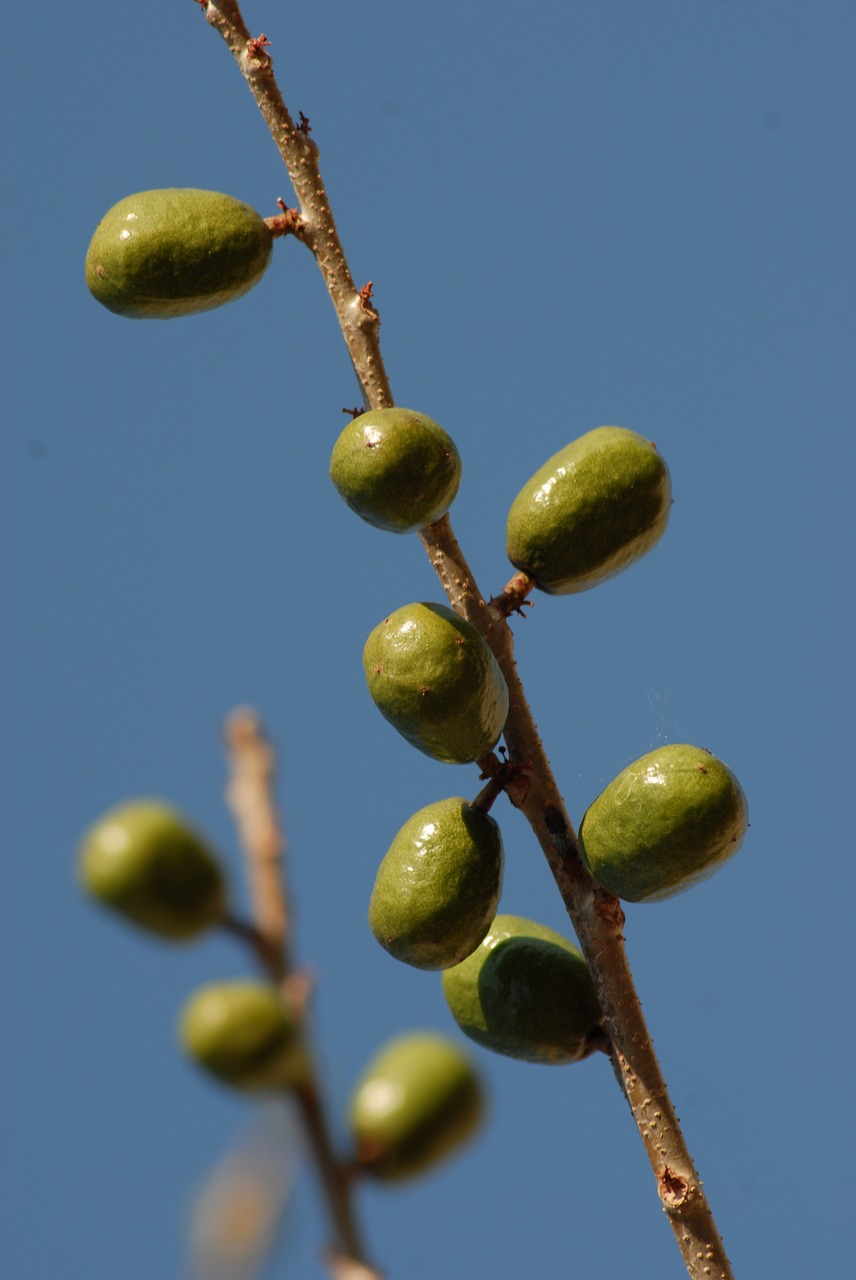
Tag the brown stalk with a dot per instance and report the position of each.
(596, 915)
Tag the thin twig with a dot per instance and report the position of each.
(596, 915)
(250, 794)
(358, 319)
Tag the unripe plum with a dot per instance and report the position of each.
(438, 887)
(145, 862)
(173, 252)
(592, 510)
(433, 677)
(666, 822)
(417, 1102)
(396, 468)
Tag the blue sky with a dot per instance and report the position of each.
(637, 212)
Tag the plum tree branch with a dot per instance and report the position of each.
(596, 915)
(598, 921)
(358, 319)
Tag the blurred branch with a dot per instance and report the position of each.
(250, 793)
(250, 797)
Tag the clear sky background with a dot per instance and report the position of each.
(637, 212)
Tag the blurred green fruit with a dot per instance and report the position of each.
(396, 468)
(666, 822)
(241, 1034)
(438, 886)
(526, 992)
(418, 1100)
(591, 511)
(432, 676)
(145, 862)
(160, 254)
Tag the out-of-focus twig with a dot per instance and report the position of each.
(250, 797)
(250, 793)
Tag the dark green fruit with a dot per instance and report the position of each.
(396, 468)
(666, 822)
(160, 254)
(438, 887)
(525, 992)
(432, 676)
(145, 862)
(240, 1033)
(591, 511)
(418, 1100)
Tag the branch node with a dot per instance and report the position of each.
(512, 598)
(364, 302)
(289, 222)
(257, 49)
(609, 909)
(675, 1190)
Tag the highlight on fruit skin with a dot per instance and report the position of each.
(433, 677)
(666, 822)
(438, 886)
(240, 1033)
(397, 469)
(526, 992)
(591, 511)
(418, 1101)
(177, 251)
(145, 862)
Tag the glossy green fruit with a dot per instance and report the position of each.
(438, 887)
(160, 254)
(592, 510)
(432, 676)
(418, 1100)
(666, 822)
(526, 992)
(145, 862)
(396, 468)
(240, 1033)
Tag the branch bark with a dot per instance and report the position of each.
(358, 320)
(597, 916)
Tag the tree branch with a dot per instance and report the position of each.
(598, 919)
(358, 319)
(597, 916)
(250, 796)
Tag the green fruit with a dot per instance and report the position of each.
(666, 822)
(432, 676)
(418, 1100)
(143, 861)
(160, 254)
(396, 468)
(240, 1033)
(438, 887)
(526, 992)
(591, 511)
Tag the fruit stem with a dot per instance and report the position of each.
(495, 785)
